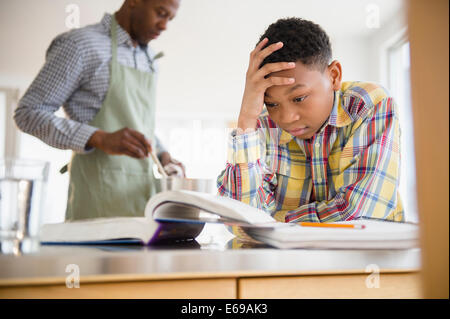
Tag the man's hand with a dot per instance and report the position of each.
(257, 83)
(166, 159)
(123, 142)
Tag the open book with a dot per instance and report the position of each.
(180, 215)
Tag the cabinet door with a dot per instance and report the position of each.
(159, 289)
(404, 285)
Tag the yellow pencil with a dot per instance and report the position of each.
(331, 225)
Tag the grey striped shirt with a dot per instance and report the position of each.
(76, 76)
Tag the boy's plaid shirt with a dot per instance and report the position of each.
(352, 163)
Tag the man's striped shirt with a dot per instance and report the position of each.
(76, 76)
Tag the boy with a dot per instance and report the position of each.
(321, 150)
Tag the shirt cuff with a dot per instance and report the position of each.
(82, 137)
(244, 148)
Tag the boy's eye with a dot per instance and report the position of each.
(270, 104)
(299, 99)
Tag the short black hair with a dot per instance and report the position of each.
(303, 41)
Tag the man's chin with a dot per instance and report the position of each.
(143, 43)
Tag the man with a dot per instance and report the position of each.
(104, 76)
(321, 150)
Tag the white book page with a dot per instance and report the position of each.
(99, 229)
(374, 231)
(339, 244)
(222, 206)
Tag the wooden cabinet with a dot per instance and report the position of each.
(400, 286)
(388, 285)
(153, 289)
(146, 272)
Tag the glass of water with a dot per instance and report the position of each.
(22, 193)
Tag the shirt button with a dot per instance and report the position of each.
(319, 180)
(317, 144)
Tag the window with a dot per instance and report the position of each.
(8, 130)
(2, 123)
(400, 87)
(55, 200)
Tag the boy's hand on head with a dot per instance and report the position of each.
(257, 83)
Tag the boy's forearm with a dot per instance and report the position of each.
(246, 124)
(248, 184)
(244, 177)
(243, 173)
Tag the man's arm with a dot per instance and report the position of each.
(60, 76)
(372, 175)
(58, 79)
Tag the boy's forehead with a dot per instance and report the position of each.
(304, 76)
(300, 72)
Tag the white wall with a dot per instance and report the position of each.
(203, 71)
(27, 28)
(389, 33)
(206, 46)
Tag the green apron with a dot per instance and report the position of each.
(104, 185)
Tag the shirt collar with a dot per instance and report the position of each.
(339, 117)
(122, 36)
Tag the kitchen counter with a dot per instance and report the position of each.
(194, 269)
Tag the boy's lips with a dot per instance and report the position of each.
(298, 130)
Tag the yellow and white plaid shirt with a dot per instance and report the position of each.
(351, 165)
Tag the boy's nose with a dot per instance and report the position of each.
(289, 115)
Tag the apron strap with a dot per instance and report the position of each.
(113, 41)
(149, 61)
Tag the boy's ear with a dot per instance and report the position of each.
(335, 73)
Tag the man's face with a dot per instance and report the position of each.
(150, 17)
(302, 108)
